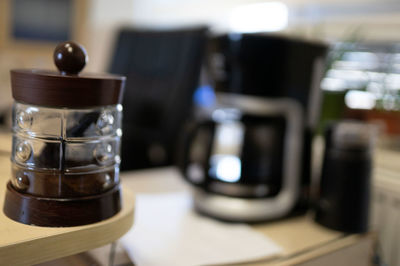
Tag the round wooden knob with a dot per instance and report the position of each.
(70, 58)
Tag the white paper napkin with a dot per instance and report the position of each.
(167, 231)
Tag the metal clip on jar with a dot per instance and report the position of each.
(66, 142)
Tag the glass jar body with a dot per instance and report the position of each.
(65, 153)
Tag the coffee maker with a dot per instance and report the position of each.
(250, 160)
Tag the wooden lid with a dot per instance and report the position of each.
(67, 88)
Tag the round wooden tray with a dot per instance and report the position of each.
(22, 244)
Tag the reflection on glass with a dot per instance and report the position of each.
(225, 164)
(226, 168)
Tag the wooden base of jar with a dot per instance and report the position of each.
(56, 212)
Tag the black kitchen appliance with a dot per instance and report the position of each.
(345, 187)
(162, 69)
(250, 160)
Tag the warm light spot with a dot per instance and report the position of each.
(260, 17)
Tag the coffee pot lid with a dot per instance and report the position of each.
(67, 88)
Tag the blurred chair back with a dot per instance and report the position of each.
(162, 70)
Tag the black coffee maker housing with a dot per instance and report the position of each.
(269, 91)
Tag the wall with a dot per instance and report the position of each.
(330, 20)
(104, 19)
